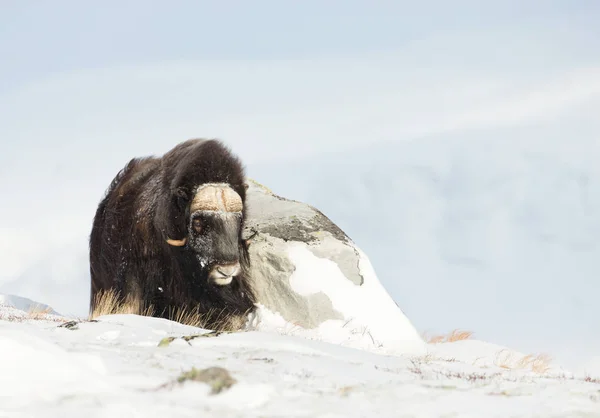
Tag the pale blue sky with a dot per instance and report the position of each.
(39, 38)
(84, 86)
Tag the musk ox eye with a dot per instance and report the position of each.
(197, 225)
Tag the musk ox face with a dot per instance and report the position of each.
(213, 230)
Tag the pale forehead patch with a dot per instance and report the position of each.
(218, 197)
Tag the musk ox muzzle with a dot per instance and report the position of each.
(223, 274)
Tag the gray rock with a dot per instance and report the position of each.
(274, 221)
(275, 226)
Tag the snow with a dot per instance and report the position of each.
(385, 326)
(37, 370)
(115, 367)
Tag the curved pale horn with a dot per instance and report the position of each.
(176, 242)
(217, 197)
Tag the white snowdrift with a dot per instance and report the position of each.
(115, 367)
(372, 320)
(36, 370)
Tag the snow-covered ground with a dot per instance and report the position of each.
(128, 366)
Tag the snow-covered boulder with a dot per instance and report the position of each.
(313, 280)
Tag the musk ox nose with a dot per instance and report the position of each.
(222, 274)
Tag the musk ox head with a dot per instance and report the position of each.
(214, 215)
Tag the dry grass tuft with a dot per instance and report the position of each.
(591, 379)
(33, 313)
(107, 303)
(458, 335)
(38, 312)
(220, 320)
(455, 335)
(539, 363)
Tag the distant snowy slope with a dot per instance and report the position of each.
(495, 232)
(59, 276)
(24, 304)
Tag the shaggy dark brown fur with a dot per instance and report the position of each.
(147, 203)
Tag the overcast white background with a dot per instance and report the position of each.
(456, 143)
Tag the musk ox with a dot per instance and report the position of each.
(168, 234)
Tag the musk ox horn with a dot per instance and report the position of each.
(176, 242)
(217, 197)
